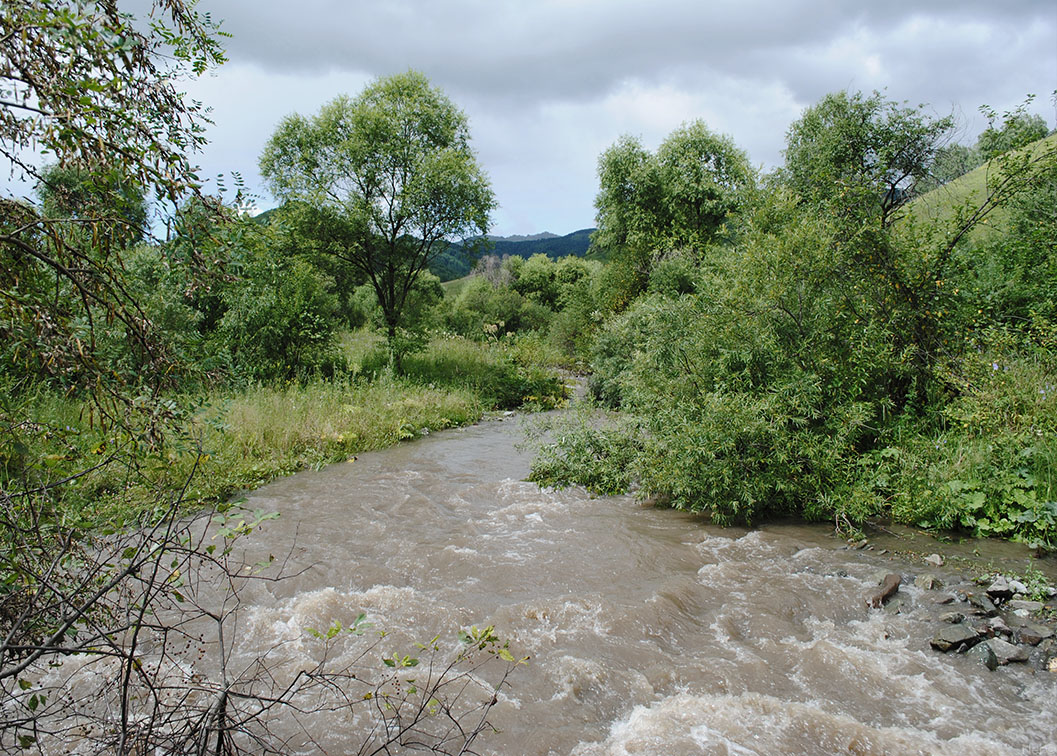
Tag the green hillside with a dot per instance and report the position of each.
(971, 189)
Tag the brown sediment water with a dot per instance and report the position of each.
(649, 631)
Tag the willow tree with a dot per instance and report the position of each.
(386, 181)
(677, 199)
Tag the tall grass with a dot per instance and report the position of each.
(240, 438)
(332, 418)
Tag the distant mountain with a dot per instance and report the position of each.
(519, 238)
(457, 262)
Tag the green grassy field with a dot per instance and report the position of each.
(970, 190)
(454, 287)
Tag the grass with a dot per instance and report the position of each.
(237, 439)
(943, 203)
(505, 374)
(265, 432)
(453, 288)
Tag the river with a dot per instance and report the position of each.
(648, 631)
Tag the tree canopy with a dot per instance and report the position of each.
(653, 204)
(861, 153)
(386, 179)
(676, 198)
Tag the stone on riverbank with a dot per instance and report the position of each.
(1032, 634)
(985, 654)
(954, 638)
(1000, 589)
(1024, 608)
(982, 605)
(1006, 652)
(997, 626)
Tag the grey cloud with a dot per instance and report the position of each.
(747, 66)
(568, 50)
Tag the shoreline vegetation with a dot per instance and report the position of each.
(238, 439)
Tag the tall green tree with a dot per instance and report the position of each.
(389, 181)
(861, 155)
(678, 198)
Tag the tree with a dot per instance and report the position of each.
(99, 93)
(92, 86)
(280, 317)
(388, 181)
(704, 176)
(826, 349)
(82, 195)
(679, 198)
(861, 155)
(1018, 129)
(949, 162)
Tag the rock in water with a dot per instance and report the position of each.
(954, 637)
(934, 559)
(997, 626)
(982, 605)
(1033, 634)
(889, 585)
(1000, 589)
(1007, 653)
(985, 654)
(928, 582)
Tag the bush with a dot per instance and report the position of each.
(503, 375)
(484, 310)
(991, 468)
(280, 320)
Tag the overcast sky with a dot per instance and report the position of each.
(549, 84)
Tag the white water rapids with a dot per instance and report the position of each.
(648, 631)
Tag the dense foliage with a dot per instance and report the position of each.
(679, 198)
(840, 357)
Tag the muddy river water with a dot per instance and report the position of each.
(649, 632)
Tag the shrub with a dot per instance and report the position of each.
(280, 320)
(483, 310)
(503, 375)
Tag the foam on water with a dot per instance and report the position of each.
(649, 632)
(761, 725)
